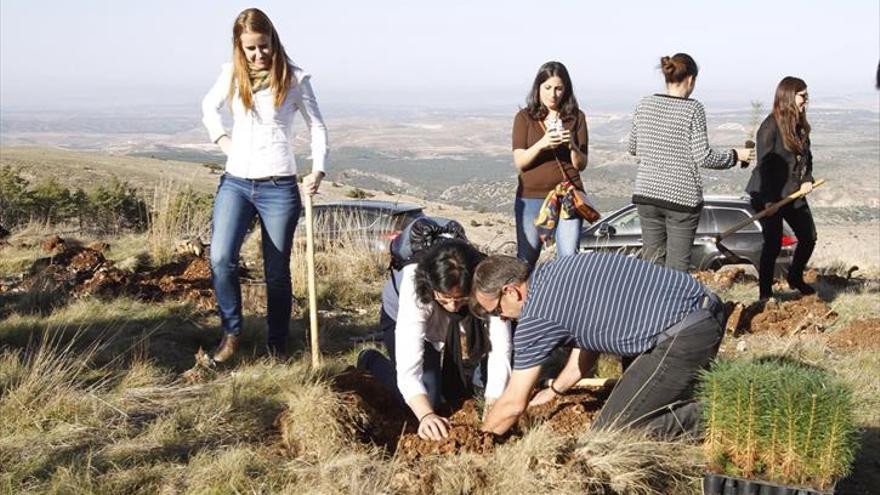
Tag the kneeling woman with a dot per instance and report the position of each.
(428, 365)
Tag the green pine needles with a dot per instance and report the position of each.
(777, 419)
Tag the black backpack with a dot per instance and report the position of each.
(419, 235)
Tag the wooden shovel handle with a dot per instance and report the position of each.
(313, 294)
(767, 211)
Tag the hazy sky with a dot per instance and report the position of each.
(452, 51)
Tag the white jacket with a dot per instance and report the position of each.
(417, 323)
(261, 138)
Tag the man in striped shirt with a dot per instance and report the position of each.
(599, 302)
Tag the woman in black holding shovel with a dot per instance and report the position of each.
(785, 166)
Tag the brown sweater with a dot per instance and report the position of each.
(543, 174)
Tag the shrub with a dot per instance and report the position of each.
(109, 208)
(777, 419)
(14, 198)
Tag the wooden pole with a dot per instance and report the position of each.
(313, 294)
(590, 382)
(767, 211)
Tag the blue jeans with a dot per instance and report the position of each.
(277, 203)
(528, 242)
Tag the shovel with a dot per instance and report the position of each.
(313, 295)
(757, 216)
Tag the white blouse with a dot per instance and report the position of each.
(261, 138)
(417, 323)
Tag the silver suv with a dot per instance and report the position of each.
(621, 231)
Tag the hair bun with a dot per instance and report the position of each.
(667, 65)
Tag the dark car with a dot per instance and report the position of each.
(364, 223)
(621, 231)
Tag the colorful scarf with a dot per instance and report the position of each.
(557, 205)
(260, 78)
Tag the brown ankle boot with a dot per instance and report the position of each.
(226, 349)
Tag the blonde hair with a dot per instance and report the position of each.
(281, 72)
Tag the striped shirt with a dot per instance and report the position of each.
(601, 302)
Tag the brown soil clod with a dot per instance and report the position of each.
(381, 417)
(859, 334)
(52, 244)
(382, 421)
(804, 315)
(462, 438)
(83, 271)
(724, 278)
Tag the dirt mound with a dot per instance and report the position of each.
(571, 414)
(804, 315)
(381, 418)
(724, 278)
(382, 421)
(52, 244)
(859, 334)
(462, 438)
(79, 271)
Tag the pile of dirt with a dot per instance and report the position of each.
(462, 438)
(804, 315)
(382, 421)
(724, 278)
(859, 334)
(76, 270)
(571, 414)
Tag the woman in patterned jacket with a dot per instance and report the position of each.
(669, 139)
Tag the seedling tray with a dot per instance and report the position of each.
(720, 484)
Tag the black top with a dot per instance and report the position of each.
(779, 172)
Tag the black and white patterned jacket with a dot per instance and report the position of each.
(669, 139)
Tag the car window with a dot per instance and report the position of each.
(717, 219)
(403, 219)
(627, 223)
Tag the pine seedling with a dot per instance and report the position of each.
(714, 439)
(755, 120)
(778, 420)
(836, 449)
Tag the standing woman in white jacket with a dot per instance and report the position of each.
(264, 90)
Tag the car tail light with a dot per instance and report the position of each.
(390, 236)
(788, 240)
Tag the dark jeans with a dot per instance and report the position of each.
(383, 368)
(656, 389)
(277, 204)
(667, 236)
(801, 222)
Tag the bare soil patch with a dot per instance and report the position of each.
(724, 278)
(804, 315)
(76, 270)
(390, 425)
(859, 334)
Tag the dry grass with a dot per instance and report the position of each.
(92, 402)
(176, 213)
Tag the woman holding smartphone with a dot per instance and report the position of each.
(785, 165)
(669, 140)
(549, 137)
(264, 90)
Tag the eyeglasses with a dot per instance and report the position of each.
(497, 310)
(444, 299)
(803, 95)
